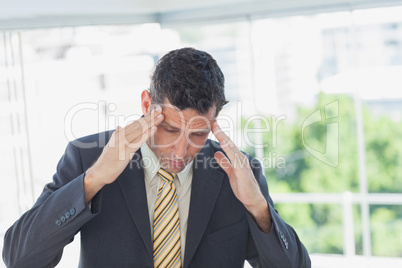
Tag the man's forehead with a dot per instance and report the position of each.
(188, 115)
(176, 118)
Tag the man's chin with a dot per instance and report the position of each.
(174, 167)
(173, 170)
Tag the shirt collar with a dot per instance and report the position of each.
(151, 166)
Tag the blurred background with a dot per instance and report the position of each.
(315, 91)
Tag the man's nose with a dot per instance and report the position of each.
(180, 148)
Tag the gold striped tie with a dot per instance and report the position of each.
(167, 224)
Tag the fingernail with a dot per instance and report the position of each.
(158, 108)
(159, 116)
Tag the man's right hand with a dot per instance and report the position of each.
(115, 156)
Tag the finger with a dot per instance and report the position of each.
(219, 134)
(222, 136)
(224, 162)
(226, 143)
(145, 122)
(114, 138)
(143, 125)
(136, 144)
(237, 158)
(152, 119)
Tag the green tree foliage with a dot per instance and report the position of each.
(320, 225)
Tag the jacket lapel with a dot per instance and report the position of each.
(205, 189)
(132, 185)
(206, 185)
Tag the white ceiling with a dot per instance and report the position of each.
(17, 14)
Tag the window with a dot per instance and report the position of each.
(323, 90)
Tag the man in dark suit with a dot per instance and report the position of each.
(158, 193)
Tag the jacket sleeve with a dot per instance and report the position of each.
(38, 237)
(281, 247)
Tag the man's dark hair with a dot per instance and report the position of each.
(189, 78)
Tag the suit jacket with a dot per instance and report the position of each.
(115, 231)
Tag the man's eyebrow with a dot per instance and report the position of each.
(196, 130)
(164, 123)
(201, 130)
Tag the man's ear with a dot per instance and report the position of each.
(146, 102)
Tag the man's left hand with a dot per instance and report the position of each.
(241, 178)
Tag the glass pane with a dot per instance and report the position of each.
(309, 127)
(379, 39)
(81, 81)
(15, 184)
(386, 224)
(319, 226)
(9, 209)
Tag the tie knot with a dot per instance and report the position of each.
(167, 176)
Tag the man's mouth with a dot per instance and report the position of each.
(175, 163)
